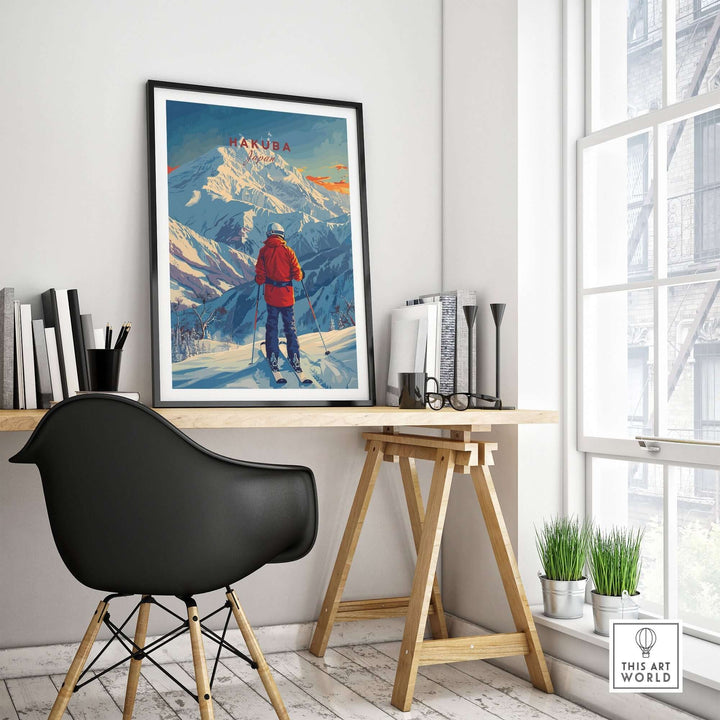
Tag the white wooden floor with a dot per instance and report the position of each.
(351, 683)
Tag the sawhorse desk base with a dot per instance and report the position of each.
(450, 455)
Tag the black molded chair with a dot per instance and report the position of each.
(138, 508)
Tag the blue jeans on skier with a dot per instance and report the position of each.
(271, 335)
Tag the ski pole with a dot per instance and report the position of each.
(257, 303)
(302, 282)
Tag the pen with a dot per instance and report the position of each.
(108, 336)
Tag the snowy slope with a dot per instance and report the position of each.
(200, 267)
(233, 368)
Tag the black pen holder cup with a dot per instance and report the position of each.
(412, 390)
(104, 369)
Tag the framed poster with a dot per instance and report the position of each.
(260, 280)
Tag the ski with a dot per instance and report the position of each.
(277, 375)
(299, 372)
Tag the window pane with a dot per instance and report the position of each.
(617, 364)
(699, 546)
(627, 60)
(697, 49)
(693, 344)
(618, 211)
(630, 494)
(694, 194)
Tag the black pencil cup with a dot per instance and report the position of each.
(104, 369)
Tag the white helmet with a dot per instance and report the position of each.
(275, 229)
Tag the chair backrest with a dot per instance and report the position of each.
(136, 506)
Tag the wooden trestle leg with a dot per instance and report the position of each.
(256, 654)
(416, 511)
(507, 565)
(78, 663)
(136, 663)
(423, 580)
(346, 552)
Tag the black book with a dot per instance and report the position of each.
(42, 365)
(78, 340)
(50, 316)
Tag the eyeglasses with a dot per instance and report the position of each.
(457, 401)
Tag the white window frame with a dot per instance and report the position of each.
(656, 122)
(657, 449)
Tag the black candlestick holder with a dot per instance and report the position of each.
(498, 310)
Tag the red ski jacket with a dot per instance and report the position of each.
(277, 266)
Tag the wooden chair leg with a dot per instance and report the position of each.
(256, 654)
(507, 565)
(416, 510)
(78, 663)
(423, 580)
(345, 554)
(201, 674)
(136, 663)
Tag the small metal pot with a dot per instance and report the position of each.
(563, 599)
(613, 607)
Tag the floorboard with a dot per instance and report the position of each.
(92, 702)
(149, 704)
(7, 709)
(33, 698)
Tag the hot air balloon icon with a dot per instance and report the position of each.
(645, 639)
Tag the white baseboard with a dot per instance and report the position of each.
(56, 659)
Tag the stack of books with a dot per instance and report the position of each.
(430, 334)
(43, 360)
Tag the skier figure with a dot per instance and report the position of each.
(277, 266)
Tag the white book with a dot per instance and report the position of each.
(28, 357)
(18, 358)
(432, 358)
(403, 344)
(99, 335)
(413, 345)
(68, 344)
(54, 360)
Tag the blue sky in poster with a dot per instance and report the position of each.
(318, 144)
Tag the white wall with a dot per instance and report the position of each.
(73, 202)
(502, 112)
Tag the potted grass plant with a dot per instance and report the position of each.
(615, 563)
(562, 544)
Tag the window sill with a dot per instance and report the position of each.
(701, 658)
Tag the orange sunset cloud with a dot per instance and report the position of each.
(170, 169)
(342, 186)
(339, 167)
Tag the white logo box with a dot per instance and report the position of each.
(645, 656)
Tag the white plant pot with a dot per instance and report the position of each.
(613, 607)
(563, 599)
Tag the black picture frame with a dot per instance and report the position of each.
(231, 173)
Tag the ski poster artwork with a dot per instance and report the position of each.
(262, 290)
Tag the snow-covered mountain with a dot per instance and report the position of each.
(229, 196)
(220, 204)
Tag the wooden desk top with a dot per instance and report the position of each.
(298, 417)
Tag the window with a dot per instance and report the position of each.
(649, 291)
(639, 203)
(707, 186)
